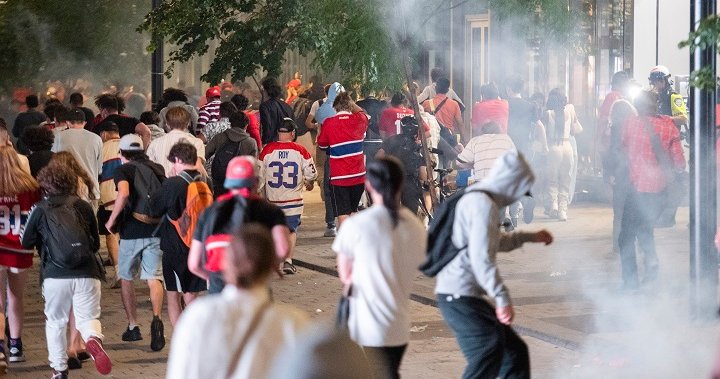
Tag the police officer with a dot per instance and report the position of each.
(671, 103)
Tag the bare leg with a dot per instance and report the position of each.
(75, 342)
(156, 296)
(341, 219)
(174, 300)
(293, 241)
(15, 304)
(112, 241)
(127, 293)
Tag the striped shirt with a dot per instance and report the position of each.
(110, 161)
(483, 150)
(285, 168)
(160, 148)
(341, 136)
(209, 112)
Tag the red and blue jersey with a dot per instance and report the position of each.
(341, 136)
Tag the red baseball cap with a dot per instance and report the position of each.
(240, 172)
(212, 92)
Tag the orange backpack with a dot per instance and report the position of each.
(198, 198)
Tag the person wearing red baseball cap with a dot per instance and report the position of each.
(218, 222)
(209, 112)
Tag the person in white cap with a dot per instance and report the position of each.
(140, 253)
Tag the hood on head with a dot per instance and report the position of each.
(326, 110)
(509, 180)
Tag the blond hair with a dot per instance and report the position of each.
(13, 179)
(177, 118)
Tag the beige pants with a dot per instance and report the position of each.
(559, 165)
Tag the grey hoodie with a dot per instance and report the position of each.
(474, 271)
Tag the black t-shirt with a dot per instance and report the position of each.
(408, 152)
(128, 226)
(170, 200)
(522, 116)
(374, 109)
(125, 123)
(89, 118)
(258, 210)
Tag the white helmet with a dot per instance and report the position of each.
(658, 73)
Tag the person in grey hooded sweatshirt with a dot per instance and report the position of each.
(490, 346)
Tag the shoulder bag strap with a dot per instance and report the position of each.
(235, 357)
(437, 109)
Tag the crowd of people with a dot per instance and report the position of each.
(204, 204)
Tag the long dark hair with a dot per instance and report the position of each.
(386, 177)
(556, 102)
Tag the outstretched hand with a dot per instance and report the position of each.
(543, 236)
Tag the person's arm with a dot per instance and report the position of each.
(460, 126)
(575, 127)
(123, 194)
(344, 268)
(514, 240)
(466, 158)
(310, 121)
(323, 142)
(425, 94)
(29, 236)
(17, 126)
(451, 94)
(195, 260)
(281, 238)
(308, 169)
(144, 132)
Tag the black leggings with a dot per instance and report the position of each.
(385, 361)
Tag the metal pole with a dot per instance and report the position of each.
(703, 196)
(156, 69)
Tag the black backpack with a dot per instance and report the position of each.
(67, 241)
(222, 158)
(301, 109)
(440, 248)
(145, 183)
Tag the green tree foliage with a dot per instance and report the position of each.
(351, 36)
(706, 35)
(72, 39)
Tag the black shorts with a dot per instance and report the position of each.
(103, 215)
(177, 275)
(346, 199)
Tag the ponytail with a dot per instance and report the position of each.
(386, 177)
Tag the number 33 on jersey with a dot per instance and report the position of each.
(285, 168)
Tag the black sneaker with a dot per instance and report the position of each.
(15, 351)
(132, 334)
(59, 374)
(74, 363)
(157, 334)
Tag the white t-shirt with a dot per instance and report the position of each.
(225, 319)
(483, 150)
(160, 148)
(86, 147)
(385, 261)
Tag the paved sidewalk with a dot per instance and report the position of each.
(568, 310)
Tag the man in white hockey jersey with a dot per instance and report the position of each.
(286, 169)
